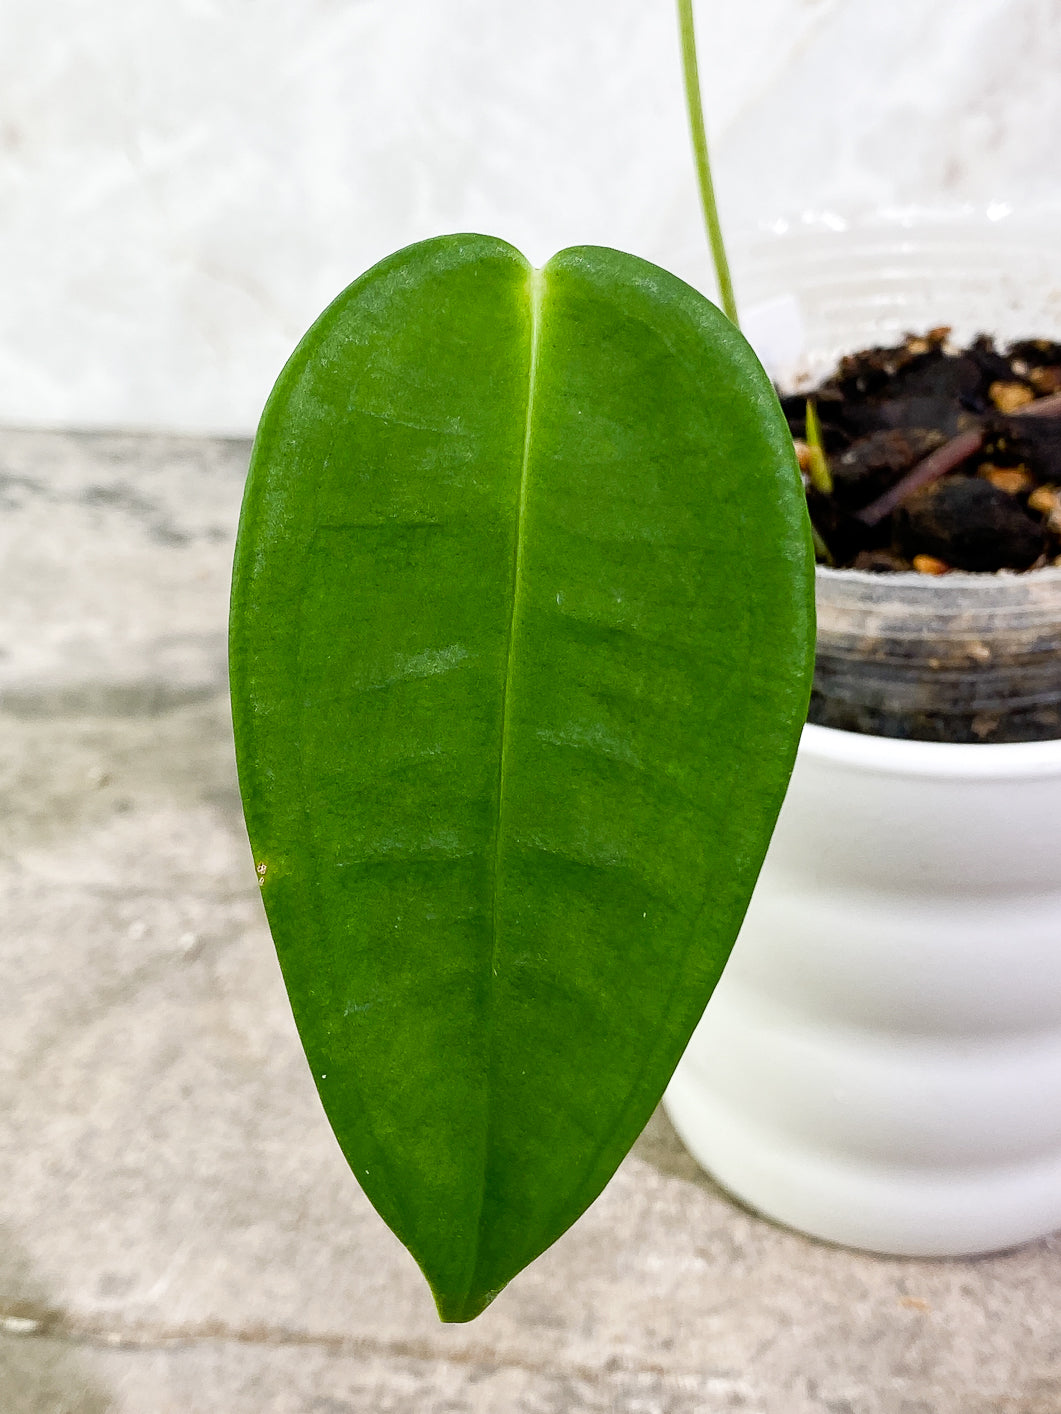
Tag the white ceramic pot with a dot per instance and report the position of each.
(880, 1065)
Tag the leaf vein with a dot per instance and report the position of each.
(535, 285)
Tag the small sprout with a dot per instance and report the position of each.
(821, 551)
(817, 465)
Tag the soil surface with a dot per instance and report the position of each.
(936, 458)
(929, 458)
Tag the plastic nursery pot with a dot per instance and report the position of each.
(959, 658)
(880, 1065)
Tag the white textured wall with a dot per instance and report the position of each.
(184, 184)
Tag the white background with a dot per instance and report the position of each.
(184, 184)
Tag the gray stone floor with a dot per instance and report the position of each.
(178, 1232)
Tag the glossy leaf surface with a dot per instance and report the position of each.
(521, 639)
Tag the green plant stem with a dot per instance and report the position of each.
(703, 163)
(820, 476)
(822, 553)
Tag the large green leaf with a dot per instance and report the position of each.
(521, 640)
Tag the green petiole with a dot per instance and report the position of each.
(703, 164)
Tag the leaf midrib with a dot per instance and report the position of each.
(535, 291)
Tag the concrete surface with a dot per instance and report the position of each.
(178, 1231)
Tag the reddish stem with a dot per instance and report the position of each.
(931, 468)
(1042, 407)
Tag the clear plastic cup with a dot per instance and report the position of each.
(959, 657)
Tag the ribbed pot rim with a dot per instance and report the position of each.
(897, 756)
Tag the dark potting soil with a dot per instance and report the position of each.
(938, 459)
